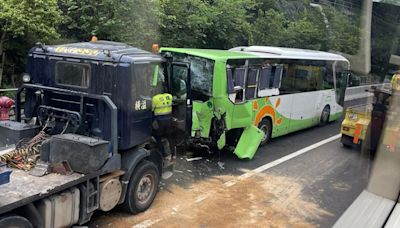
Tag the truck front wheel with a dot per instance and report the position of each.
(143, 187)
(11, 220)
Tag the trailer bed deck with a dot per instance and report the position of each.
(24, 188)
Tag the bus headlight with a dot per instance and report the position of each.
(26, 78)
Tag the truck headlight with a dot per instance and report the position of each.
(353, 116)
(26, 78)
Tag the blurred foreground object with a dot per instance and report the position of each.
(5, 105)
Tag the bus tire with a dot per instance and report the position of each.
(266, 126)
(143, 187)
(12, 220)
(324, 119)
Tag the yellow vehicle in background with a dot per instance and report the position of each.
(363, 124)
(355, 125)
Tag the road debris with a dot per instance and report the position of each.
(221, 165)
(193, 159)
(271, 201)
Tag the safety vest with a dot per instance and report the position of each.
(396, 82)
(162, 104)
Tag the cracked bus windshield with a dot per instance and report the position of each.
(203, 113)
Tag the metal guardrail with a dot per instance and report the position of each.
(359, 92)
(8, 90)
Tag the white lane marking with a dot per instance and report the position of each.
(281, 160)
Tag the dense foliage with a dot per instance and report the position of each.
(181, 23)
(21, 24)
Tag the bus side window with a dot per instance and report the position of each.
(277, 77)
(265, 75)
(270, 80)
(239, 77)
(328, 77)
(288, 79)
(251, 88)
(236, 83)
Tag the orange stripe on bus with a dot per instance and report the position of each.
(278, 102)
(267, 110)
(255, 105)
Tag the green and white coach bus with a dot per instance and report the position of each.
(242, 97)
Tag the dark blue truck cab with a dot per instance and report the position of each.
(92, 101)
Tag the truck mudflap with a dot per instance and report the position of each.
(249, 142)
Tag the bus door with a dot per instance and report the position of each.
(179, 87)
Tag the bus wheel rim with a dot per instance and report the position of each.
(264, 128)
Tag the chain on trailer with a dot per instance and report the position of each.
(26, 154)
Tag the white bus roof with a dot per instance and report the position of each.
(289, 53)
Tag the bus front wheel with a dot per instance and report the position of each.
(266, 126)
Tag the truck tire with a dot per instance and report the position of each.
(266, 126)
(324, 119)
(14, 221)
(142, 188)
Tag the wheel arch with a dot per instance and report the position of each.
(129, 162)
(268, 118)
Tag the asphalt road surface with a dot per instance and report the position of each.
(304, 179)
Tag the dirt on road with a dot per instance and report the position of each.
(258, 201)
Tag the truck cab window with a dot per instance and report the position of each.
(73, 74)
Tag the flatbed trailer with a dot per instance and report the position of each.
(24, 188)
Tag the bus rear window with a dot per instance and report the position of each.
(73, 74)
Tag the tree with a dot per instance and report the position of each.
(344, 33)
(304, 34)
(269, 29)
(184, 23)
(205, 24)
(131, 21)
(37, 18)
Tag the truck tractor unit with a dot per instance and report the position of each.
(82, 136)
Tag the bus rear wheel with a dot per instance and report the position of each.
(266, 126)
(324, 119)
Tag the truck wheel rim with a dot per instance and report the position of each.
(145, 188)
